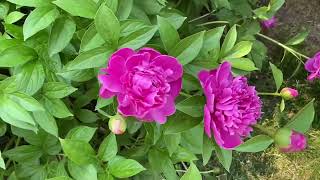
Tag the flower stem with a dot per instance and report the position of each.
(269, 94)
(266, 131)
(200, 17)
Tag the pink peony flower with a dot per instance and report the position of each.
(290, 141)
(231, 107)
(146, 83)
(288, 93)
(313, 67)
(269, 23)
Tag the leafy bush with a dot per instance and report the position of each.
(54, 124)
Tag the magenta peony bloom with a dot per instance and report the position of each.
(313, 67)
(231, 108)
(290, 141)
(146, 83)
(269, 23)
(288, 93)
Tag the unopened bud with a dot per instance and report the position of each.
(288, 93)
(117, 124)
(289, 140)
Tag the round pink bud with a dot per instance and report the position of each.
(290, 141)
(117, 124)
(288, 93)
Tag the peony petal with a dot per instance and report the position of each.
(105, 93)
(223, 138)
(153, 53)
(175, 87)
(312, 76)
(203, 76)
(111, 83)
(169, 64)
(309, 65)
(224, 75)
(136, 60)
(169, 108)
(116, 66)
(124, 52)
(207, 121)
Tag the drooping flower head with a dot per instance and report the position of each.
(288, 93)
(290, 141)
(232, 106)
(146, 83)
(269, 23)
(313, 67)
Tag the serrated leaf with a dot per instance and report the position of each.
(302, 121)
(39, 19)
(255, 144)
(188, 48)
(82, 8)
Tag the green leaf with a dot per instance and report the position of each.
(108, 148)
(282, 105)
(192, 106)
(211, 43)
(183, 155)
(57, 108)
(172, 142)
(161, 163)
(7, 43)
(258, 53)
(86, 116)
(192, 173)
(138, 38)
(299, 38)
(101, 103)
(90, 59)
(123, 168)
(31, 77)
(275, 5)
(82, 8)
(14, 30)
(169, 35)
(124, 9)
(239, 50)
(112, 4)
(57, 90)
(83, 133)
(13, 17)
(82, 172)
(188, 48)
(78, 151)
(224, 156)
(28, 102)
(91, 39)
(192, 139)
(16, 55)
(173, 16)
(31, 3)
(60, 178)
(242, 64)
(61, 34)
(207, 149)
(153, 133)
(255, 144)
(25, 153)
(277, 75)
(107, 25)
(180, 122)
(229, 41)
(46, 122)
(39, 19)
(302, 121)
(2, 164)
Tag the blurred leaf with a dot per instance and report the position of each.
(229, 41)
(28, 102)
(57, 90)
(180, 122)
(138, 38)
(282, 105)
(16, 55)
(242, 64)
(108, 148)
(161, 163)
(101, 103)
(46, 122)
(56, 107)
(2, 164)
(82, 172)
(224, 156)
(239, 50)
(78, 151)
(60, 178)
(31, 3)
(172, 142)
(302, 121)
(25, 153)
(192, 173)
(299, 38)
(13, 17)
(83, 133)
(123, 168)
(207, 149)
(169, 35)
(255, 144)
(193, 106)
(86, 116)
(91, 39)
(277, 75)
(82, 8)
(183, 155)
(39, 19)
(124, 9)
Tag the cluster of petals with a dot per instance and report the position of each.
(298, 142)
(313, 67)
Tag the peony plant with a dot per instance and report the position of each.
(114, 89)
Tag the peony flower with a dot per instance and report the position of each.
(288, 93)
(232, 106)
(117, 124)
(146, 83)
(290, 141)
(313, 66)
(269, 23)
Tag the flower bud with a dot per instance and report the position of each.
(289, 140)
(269, 23)
(288, 93)
(117, 124)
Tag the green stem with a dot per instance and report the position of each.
(201, 172)
(269, 94)
(266, 131)
(104, 113)
(213, 22)
(185, 94)
(200, 17)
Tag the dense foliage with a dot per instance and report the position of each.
(56, 125)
